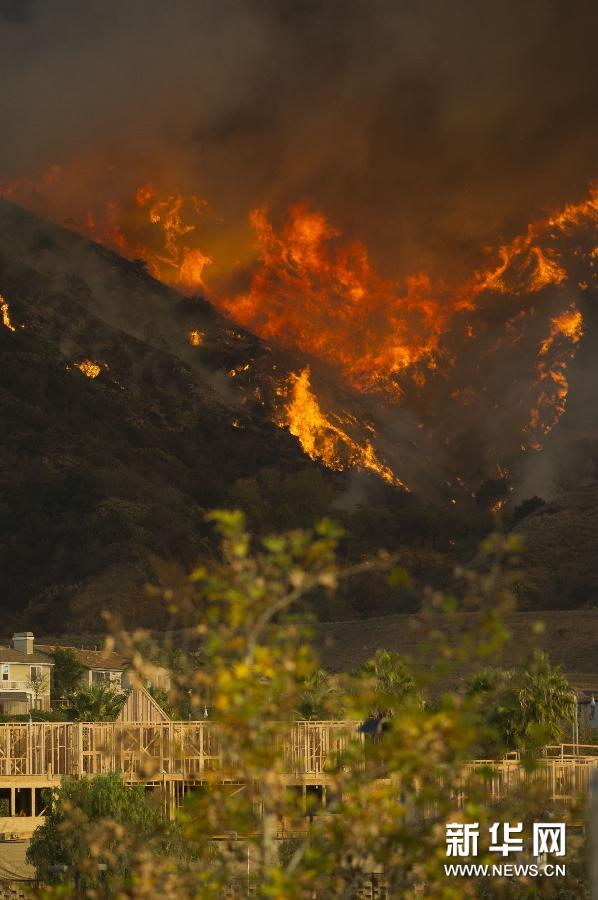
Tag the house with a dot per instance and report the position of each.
(99, 667)
(105, 667)
(25, 675)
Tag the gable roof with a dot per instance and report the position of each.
(10, 655)
(91, 659)
(140, 706)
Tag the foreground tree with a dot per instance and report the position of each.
(546, 700)
(385, 812)
(322, 697)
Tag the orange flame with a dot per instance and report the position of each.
(566, 330)
(315, 293)
(196, 338)
(184, 264)
(89, 368)
(159, 228)
(4, 309)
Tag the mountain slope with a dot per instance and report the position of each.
(104, 481)
(560, 565)
(129, 411)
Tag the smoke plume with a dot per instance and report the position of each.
(427, 129)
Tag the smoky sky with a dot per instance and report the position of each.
(429, 129)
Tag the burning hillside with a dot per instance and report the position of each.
(445, 353)
(312, 289)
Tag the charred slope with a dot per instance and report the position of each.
(104, 481)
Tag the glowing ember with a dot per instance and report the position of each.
(6, 314)
(234, 372)
(569, 325)
(89, 368)
(196, 338)
(323, 439)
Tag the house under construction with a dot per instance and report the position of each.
(177, 757)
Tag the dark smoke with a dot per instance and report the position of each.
(430, 129)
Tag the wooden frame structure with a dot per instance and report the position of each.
(143, 749)
(173, 756)
(177, 757)
(564, 778)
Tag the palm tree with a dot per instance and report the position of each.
(546, 699)
(390, 679)
(99, 703)
(520, 706)
(320, 697)
(501, 720)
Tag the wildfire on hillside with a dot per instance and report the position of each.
(402, 341)
(312, 291)
(157, 228)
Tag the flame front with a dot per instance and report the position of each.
(316, 293)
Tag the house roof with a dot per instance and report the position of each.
(10, 655)
(91, 659)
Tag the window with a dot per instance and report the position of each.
(36, 673)
(109, 678)
(5, 672)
